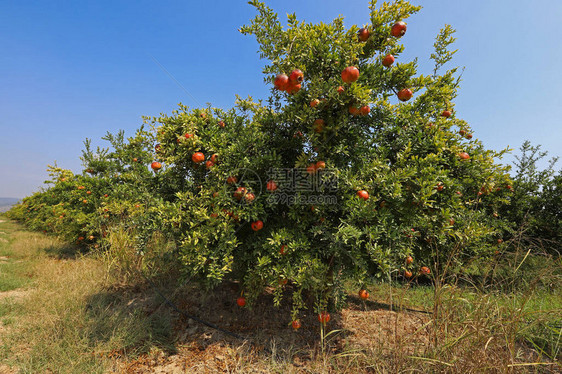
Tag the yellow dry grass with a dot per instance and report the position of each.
(75, 316)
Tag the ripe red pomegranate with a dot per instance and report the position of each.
(293, 88)
(296, 76)
(464, 156)
(353, 110)
(350, 74)
(363, 194)
(239, 193)
(311, 169)
(388, 60)
(363, 34)
(281, 82)
(405, 94)
(198, 157)
(271, 186)
(257, 225)
(324, 317)
(398, 29)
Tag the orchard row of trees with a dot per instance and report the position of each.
(535, 208)
(354, 168)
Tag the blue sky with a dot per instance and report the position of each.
(76, 69)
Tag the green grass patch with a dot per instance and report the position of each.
(14, 272)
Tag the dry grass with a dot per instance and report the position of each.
(125, 264)
(67, 322)
(72, 315)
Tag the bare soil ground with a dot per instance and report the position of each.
(271, 345)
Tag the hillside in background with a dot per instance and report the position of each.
(6, 203)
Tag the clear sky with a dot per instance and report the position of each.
(76, 69)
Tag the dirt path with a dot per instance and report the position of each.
(2, 240)
(5, 295)
(14, 294)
